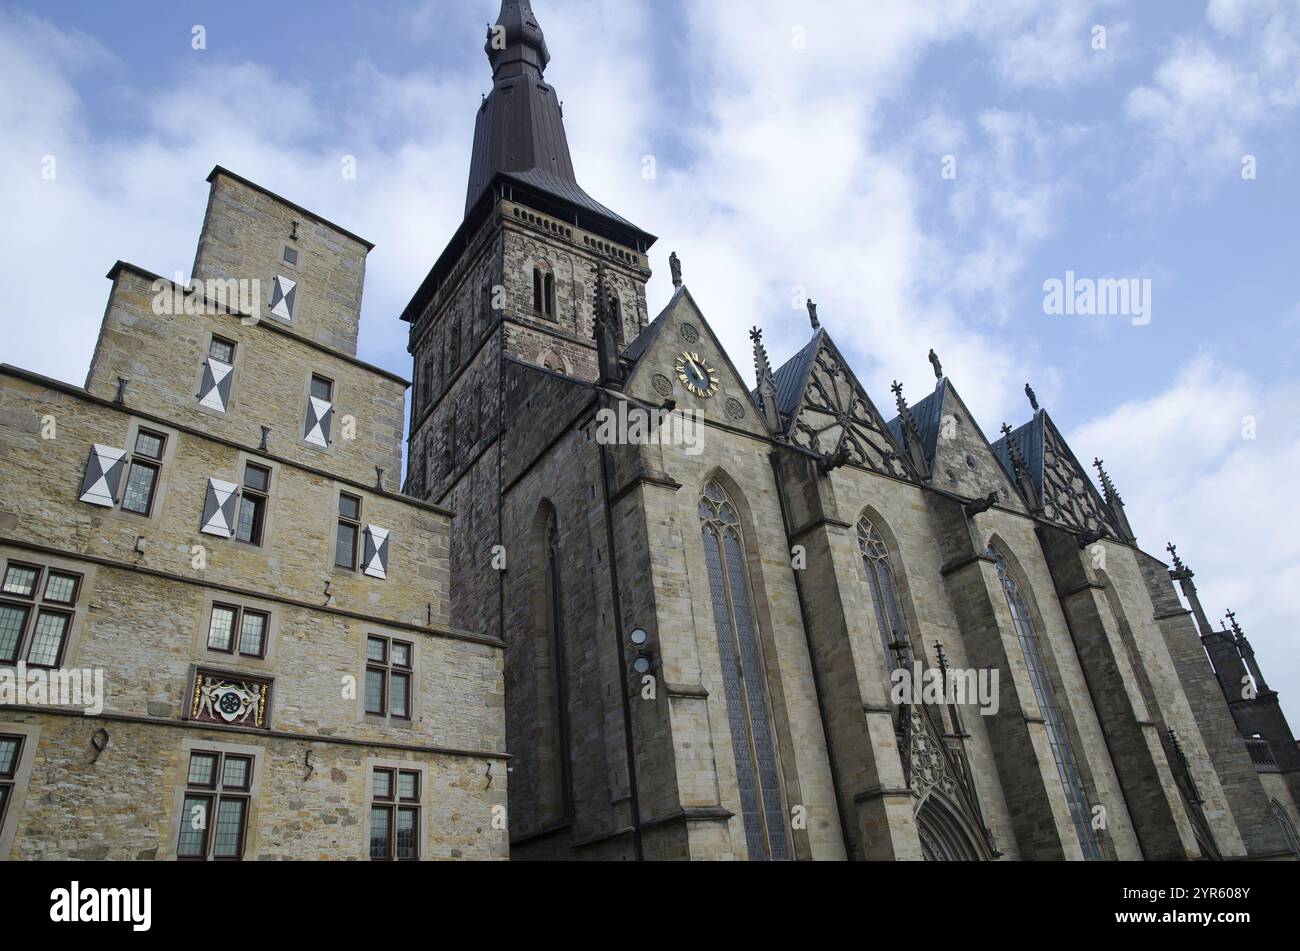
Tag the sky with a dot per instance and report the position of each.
(921, 168)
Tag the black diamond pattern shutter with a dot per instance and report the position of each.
(103, 476)
(219, 509)
(320, 417)
(284, 298)
(376, 552)
(215, 391)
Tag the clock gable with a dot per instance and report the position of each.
(679, 357)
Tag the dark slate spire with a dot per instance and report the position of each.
(519, 132)
(516, 45)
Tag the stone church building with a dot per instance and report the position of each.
(687, 636)
(700, 638)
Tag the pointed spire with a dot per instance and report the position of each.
(934, 362)
(911, 433)
(1115, 502)
(516, 43)
(766, 381)
(1021, 470)
(1033, 397)
(1109, 487)
(812, 315)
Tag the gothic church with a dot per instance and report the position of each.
(699, 645)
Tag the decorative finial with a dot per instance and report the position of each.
(675, 265)
(1006, 430)
(1173, 551)
(938, 367)
(1236, 628)
(812, 314)
(1112, 496)
(762, 366)
(1033, 397)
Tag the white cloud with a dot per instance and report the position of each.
(1188, 476)
(1210, 99)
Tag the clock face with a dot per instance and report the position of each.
(695, 373)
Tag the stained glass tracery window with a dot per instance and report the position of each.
(884, 590)
(1062, 751)
(748, 714)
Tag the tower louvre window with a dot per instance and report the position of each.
(758, 773)
(544, 292)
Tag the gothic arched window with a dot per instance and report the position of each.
(449, 446)
(1067, 766)
(555, 619)
(758, 773)
(453, 347)
(884, 590)
(1288, 828)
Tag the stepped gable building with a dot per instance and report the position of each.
(212, 525)
(700, 637)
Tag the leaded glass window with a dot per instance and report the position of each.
(395, 815)
(214, 812)
(758, 772)
(1062, 751)
(884, 590)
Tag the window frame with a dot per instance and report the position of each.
(218, 339)
(144, 461)
(9, 781)
(236, 648)
(321, 378)
(387, 669)
(353, 523)
(215, 794)
(394, 805)
(38, 605)
(260, 499)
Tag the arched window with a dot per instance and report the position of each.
(757, 771)
(555, 619)
(942, 836)
(453, 347)
(1288, 828)
(449, 446)
(1062, 751)
(543, 291)
(884, 590)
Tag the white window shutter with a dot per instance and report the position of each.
(320, 417)
(215, 391)
(219, 509)
(103, 476)
(376, 552)
(284, 297)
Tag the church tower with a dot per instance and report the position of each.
(516, 283)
